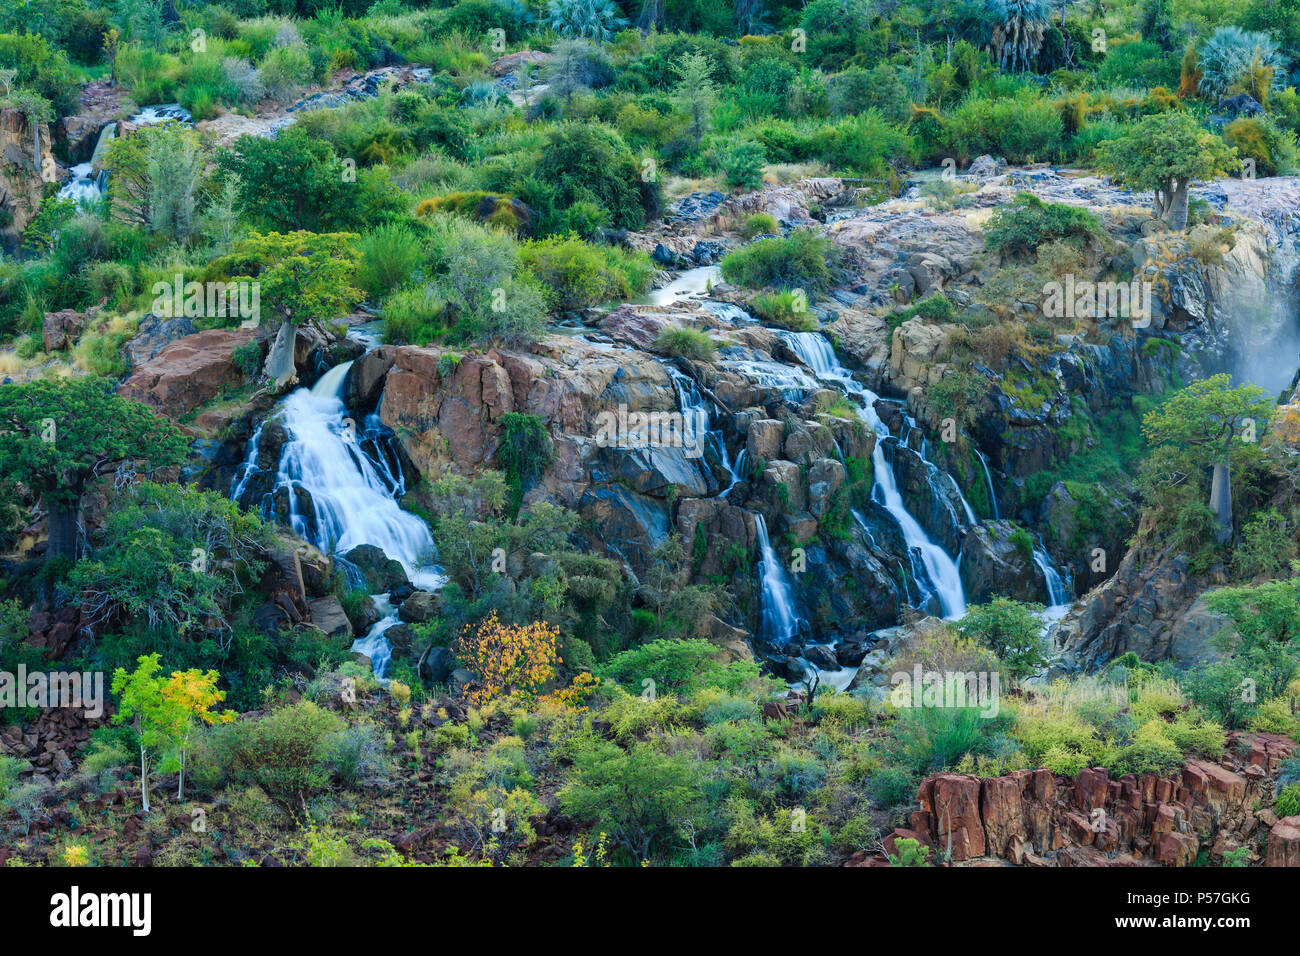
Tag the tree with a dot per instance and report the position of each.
(509, 659)
(154, 176)
(58, 436)
(170, 558)
(1205, 421)
(1011, 630)
(1018, 27)
(174, 168)
(141, 703)
(696, 94)
(597, 19)
(1166, 153)
(304, 277)
(292, 182)
(569, 70)
(187, 699)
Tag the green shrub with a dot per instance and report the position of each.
(741, 162)
(1288, 801)
(579, 274)
(801, 260)
(758, 224)
(1023, 129)
(1011, 630)
(787, 309)
(1026, 223)
(415, 316)
(686, 342)
(390, 256)
(285, 753)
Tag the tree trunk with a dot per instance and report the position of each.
(62, 519)
(1174, 213)
(1221, 503)
(180, 786)
(144, 779)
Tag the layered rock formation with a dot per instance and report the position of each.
(1034, 818)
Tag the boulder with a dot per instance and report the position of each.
(153, 335)
(825, 477)
(436, 665)
(328, 617)
(765, 439)
(512, 62)
(1284, 843)
(60, 330)
(420, 607)
(189, 372)
(381, 572)
(914, 352)
(997, 559)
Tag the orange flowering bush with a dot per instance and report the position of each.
(509, 659)
(575, 695)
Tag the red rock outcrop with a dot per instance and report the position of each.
(190, 371)
(1034, 818)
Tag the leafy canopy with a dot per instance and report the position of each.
(57, 435)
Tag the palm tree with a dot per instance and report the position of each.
(1018, 27)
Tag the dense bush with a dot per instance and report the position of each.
(801, 260)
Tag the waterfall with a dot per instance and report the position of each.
(83, 185)
(940, 570)
(1059, 593)
(988, 478)
(351, 494)
(780, 620)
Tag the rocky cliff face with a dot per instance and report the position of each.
(21, 179)
(1034, 818)
(1152, 606)
(446, 411)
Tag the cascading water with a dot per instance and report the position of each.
(697, 420)
(780, 620)
(940, 570)
(1060, 591)
(351, 494)
(988, 478)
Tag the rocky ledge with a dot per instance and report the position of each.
(1035, 818)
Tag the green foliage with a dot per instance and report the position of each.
(171, 559)
(294, 182)
(641, 796)
(57, 435)
(391, 254)
(590, 162)
(801, 260)
(286, 753)
(741, 161)
(1011, 629)
(673, 665)
(578, 274)
(1026, 223)
(694, 344)
(526, 449)
(1267, 546)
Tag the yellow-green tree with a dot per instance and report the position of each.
(188, 699)
(140, 703)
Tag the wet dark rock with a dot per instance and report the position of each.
(381, 572)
